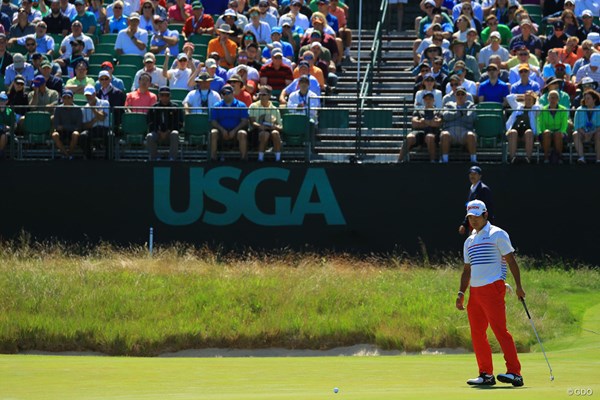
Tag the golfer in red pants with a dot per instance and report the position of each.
(486, 253)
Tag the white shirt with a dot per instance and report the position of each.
(195, 97)
(469, 86)
(253, 74)
(437, 98)
(124, 42)
(158, 79)
(487, 52)
(88, 113)
(300, 21)
(297, 103)
(262, 33)
(178, 78)
(66, 43)
(485, 251)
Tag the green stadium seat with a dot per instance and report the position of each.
(126, 70)
(160, 60)
(105, 48)
(296, 133)
(534, 11)
(178, 94)
(489, 105)
(108, 38)
(134, 129)
(176, 27)
(94, 70)
(333, 118)
(79, 99)
(99, 58)
(127, 81)
(490, 126)
(200, 39)
(131, 59)
(196, 128)
(37, 127)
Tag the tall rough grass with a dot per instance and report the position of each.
(121, 301)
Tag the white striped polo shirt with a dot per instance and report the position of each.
(485, 251)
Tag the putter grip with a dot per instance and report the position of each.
(525, 306)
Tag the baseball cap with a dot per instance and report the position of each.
(203, 77)
(181, 56)
(594, 37)
(315, 33)
(103, 73)
(276, 29)
(3, 96)
(235, 78)
(264, 89)
(283, 21)
(559, 25)
(276, 52)
(149, 58)
(475, 169)
(525, 22)
(588, 81)
(492, 66)
(230, 13)
(495, 34)
(428, 93)
(67, 92)
(428, 76)
(595, 60)
(586, 13)
(523, 67)
(89, 90)
(476, 208)
(304, 63)
(190, 45)
(304, 78)
(164, 89)
(210, 63)
(19, 79)
(226, 89)
(461, 89)
(78, 2)
(197, 5)
(77, 41)
(134, 15)
(46, 64)
(38, 81)
(316, 44)
(431, 3)
(106, 64)
(19, 60)
(570, 1)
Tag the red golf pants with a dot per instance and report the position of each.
(487, 307)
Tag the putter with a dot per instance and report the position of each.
(538, 337)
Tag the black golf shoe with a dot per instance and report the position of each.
(514, 379)
(482, 380)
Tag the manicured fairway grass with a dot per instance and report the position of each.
(575, 361)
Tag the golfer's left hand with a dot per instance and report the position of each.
(460, 302)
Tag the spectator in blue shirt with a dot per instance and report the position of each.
(87, 19)
(525, 84)
(229, 120)
(493, 89)
(118, 21)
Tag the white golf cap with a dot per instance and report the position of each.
(476, 208)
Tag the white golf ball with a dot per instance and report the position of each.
(335, 390)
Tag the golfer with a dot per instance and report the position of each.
(486, 253)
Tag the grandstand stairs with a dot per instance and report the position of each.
(392, 89)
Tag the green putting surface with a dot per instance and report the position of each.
(575, 362)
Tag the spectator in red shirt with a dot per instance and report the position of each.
(239, 92)
(276, 74)
(179, 12)
(199, 23)
(142, 97)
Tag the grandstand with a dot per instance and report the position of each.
(365, 117)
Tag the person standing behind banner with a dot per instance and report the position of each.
(477, 191)
(486, 252)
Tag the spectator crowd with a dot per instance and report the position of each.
(241, 62)
(536, 62)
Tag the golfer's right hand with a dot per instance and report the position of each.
(461, 230)
(460, 302)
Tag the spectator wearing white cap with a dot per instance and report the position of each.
(494, 48)
(592, 5)
(177, 77)
(304, 100)
(18, 67)
(217, 82)
(132, 40)
(95, 123)
(587, 26)
(591, 70)
(150, 68)
(303, 69)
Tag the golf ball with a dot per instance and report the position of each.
(335, 390)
